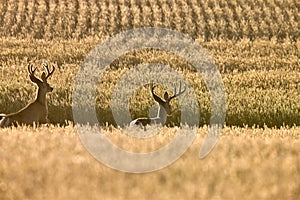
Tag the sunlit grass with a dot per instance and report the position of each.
(52, 163)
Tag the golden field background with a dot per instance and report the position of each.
(255, 45)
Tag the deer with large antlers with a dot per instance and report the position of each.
(37, 111)
(164, 108)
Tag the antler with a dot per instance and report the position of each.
(179, 93)
(152, 86)
(31, 71)
(49, 73)
(156, 98)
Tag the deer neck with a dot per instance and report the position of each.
(41, 97)
(161, 115)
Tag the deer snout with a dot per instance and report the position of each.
(169, 112)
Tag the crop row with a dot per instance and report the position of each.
(229, 56)
(234, 19)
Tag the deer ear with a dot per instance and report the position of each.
(43, 76)
(32, 79)
(166, 96)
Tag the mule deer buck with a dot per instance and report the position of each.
(36, 111)
(164, 108)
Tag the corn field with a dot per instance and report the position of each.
(232, 20)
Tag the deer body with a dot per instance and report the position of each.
(36, 111)
(161, 118)
(164, 109)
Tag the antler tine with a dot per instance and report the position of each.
(30, 70)
(32, 76)
(182, 91)
(179, 86)
(152, 85)
(45, 65)
(175, 89)
(28, 67)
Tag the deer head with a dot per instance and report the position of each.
(165, 103)
(42, 83)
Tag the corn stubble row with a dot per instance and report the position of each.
(234, 19)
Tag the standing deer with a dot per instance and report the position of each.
(164, 108)
(36, 111)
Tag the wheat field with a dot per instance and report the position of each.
(256, 47)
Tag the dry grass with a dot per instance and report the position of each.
(51, 163)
